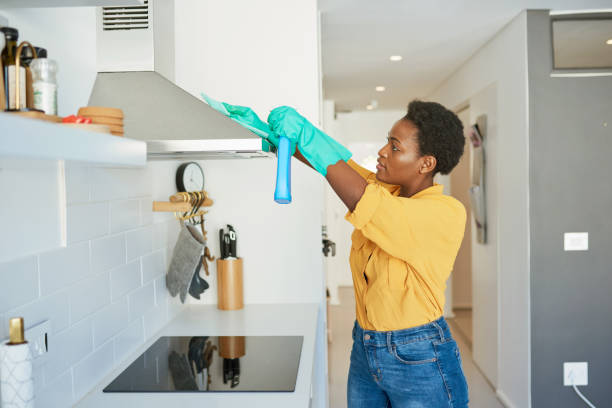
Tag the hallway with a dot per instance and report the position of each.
(341, 318)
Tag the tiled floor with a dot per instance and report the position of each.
(462, 323)
(341, 320)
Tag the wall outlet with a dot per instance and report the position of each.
(37, 337)
(575, 374)
(576, 241)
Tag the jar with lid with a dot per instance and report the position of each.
(44, 84)
(9, 62)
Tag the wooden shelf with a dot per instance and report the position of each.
(6, 4)
(35, 139)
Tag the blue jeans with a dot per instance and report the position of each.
(412, 368)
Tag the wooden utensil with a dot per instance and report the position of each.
(101, 111)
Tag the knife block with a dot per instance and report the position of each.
(232, 346)
(229, 284)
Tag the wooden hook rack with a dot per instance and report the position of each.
(180, 203)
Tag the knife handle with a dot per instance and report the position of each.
(282, 194)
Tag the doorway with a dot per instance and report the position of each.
(462, 272)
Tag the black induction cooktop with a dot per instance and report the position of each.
(214, 364)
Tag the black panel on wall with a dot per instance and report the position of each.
(570, 128)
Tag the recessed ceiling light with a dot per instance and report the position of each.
(609, 42)
(380, 88)
(369, 107)
(395, 58)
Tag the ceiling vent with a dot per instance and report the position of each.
(126, 17)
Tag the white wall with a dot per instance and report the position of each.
(109, 279)
(259, 54)
(69, 35)
(502, 63)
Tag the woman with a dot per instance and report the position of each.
(406, 237)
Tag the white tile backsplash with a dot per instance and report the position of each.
(128, 340)
(139, 242)
(124, 215)
(77, 183)
(57, 392)
(90, 295)
(92, 369)
(146, 211)
(68, 347)
(154, 320)
(88, 290)
(107, 253)
(161, 292)
(141, 300)
(110, 321)
(19, 282)
(86, 221)
(153, 266)
(63, 267)
(55, 308)
(125, 279)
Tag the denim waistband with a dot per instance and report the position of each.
(438, 329)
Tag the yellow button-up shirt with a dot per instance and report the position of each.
(402, 253)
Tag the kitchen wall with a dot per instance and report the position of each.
(104, 292)
(570, 144)
(494, 82)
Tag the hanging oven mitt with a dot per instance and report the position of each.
(186, 257)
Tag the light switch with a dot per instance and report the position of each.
(576, 241)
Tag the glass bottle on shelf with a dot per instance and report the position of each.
(44, 83)
(9, 62)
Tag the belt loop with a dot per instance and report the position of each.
(440, 331)
(389, 347)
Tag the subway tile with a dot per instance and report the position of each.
(68, 347)
(174, 306)
(19, 282)
(128, 340)
(3, 328)
(86, 221)
(107, 253)
(124, 215)
(154, 320)
(160, 235)
(141, 300)
(38, 376)
(55, 308)
(63, 267)
(161, 291)
(57, 393)
(89, 371)
(125, 279)
(77, 182)
(109, 321)
(139, 242)
(146, 211)
(153, 266)
(119, 183)
(89, 296)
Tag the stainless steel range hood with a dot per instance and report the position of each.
(174, 123)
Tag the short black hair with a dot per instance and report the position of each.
(440, 133)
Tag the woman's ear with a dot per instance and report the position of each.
(428, 164)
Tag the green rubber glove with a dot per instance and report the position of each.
(317, 147)
(247, 118)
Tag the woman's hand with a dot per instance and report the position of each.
(318, 148)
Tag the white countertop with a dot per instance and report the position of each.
(253, 320)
